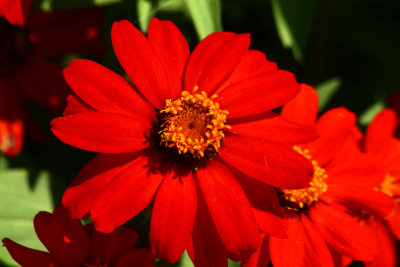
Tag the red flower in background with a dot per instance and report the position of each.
(319, 226)
(26, 38)
(380, 141)
(178, 136)
(72, 245)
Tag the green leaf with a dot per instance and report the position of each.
(367, 116)
(326, 90)
(294, 20)
(206, 16)
(22, 196)
(147, 9)
(49, 5)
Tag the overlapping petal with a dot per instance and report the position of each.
(173, 215)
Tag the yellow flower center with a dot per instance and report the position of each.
(301, 198)
(390, 186)
(193, 124)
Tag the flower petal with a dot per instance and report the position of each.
(380, 131)
(358, 198)
(108, 248)
(173, 215)
(64, 238)
(334, 127)
(229, 209)
(273, 127)
(393, 220)
(172, 49)
(269, 162)
(105, 90)
(304, 107)
(258, 94)
(214, 59)
(75, 105)
(27, 256)
(140, 257)
(16, 12)
(102, 132)
(290, 251)
(343, 232)
(141, 63)
(316, 251)
(260, 258)
(127, 194)
(265, 204)
(205, 247)
(92, 178)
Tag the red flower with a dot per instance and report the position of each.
(170, 138)
(380, 141)
(320, 228)
(72, 245)
(24, 72)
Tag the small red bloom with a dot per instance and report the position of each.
(72, 245)
(319, 226)
(177, 135)
(26, 38)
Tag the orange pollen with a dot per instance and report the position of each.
(307, 196)
(390, 186)
(193, 123)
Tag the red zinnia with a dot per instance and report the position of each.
(319, 224)
(26, 38)
(72, 245)
(380, 141)
(174, 136)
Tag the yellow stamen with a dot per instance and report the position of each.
(193, 123)
(390, 186)
(307, 196)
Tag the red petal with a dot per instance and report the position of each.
(105, 90)
(261, 257)
(290, 251)
(28, 257)
(64, 238)
(205, 247)
(108, 248)
(229, 209)
(387, 245)
(269, 162)
(141, 63)
(102, 132)
(258, 94)
(316, 251)
(275, 128)
(16, 12)
(82, 192)
(139, 257)
(75, 105)
(343, 232)
(334, 127)
(356, 169)
(358, 198)
(173, 215)
(393, 220)
(380, 131)
(172, 49)
(214, 59)
(304, 107)
(265, 203)
(127, 194)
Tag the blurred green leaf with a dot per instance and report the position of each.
(49, 5)
(294, 21)
(326, 90)
(21, 198)
(146, 10)
(367, 116)
(206, 15)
